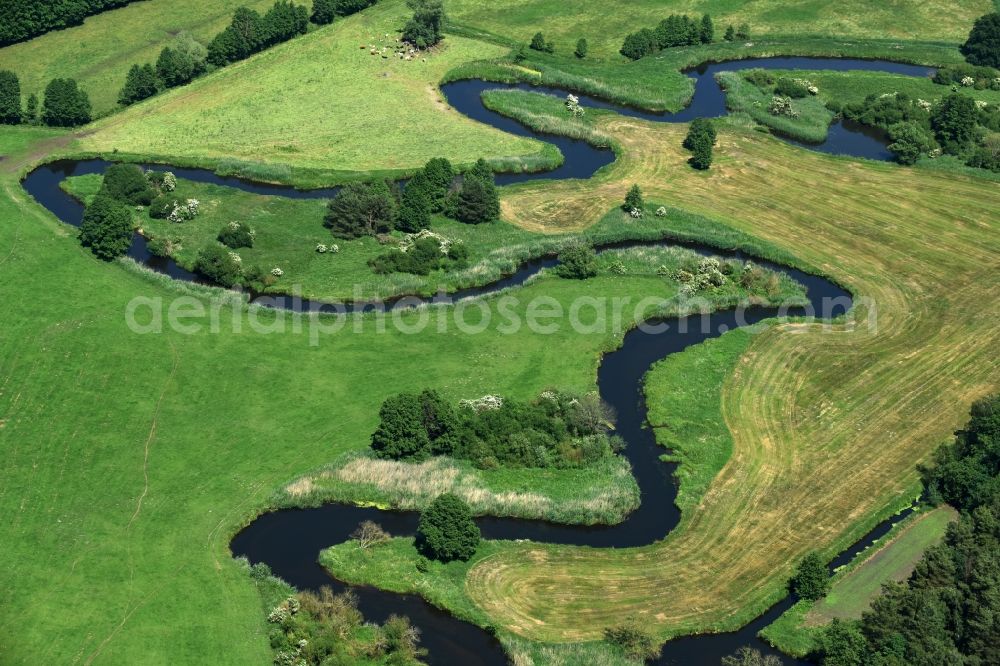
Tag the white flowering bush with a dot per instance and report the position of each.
(995, 84)
(183, 212)
(636, 213)
(333, 249)
(486, 403)
(618, 268)
(277, 272)
(782, 106)
(321, 248)
(980, 104)
(924, 104)
(236, 258)
(968, 81)
(409, 240)
(169, 182)
(813, 90)
(661, 211)
(573, 104)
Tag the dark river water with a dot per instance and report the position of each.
(290, 540)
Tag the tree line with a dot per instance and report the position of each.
(677, 30)
(948, 612)
(23, 19)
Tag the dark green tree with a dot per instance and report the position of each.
(477, 201)
(812, 578)
(446, 530)
(700, 140)
(244, 36)
(538, 43)
(415, 206)
(361, 209)
(639, 44)
(175, 67)
(31, 109)
(983, 45)
(581, 48)
(578, 262)
(10, 98)
(909, 142)
(954, 122)
(743, 32)
(707, 33)
(634, 200)
(401, 434)
(730, 34)
(324, 11)
(127, 183)
(140, 83)
(283, 21)
(440, 175)
(217, 264)
(107, 228)
(843, 644)
(65, 105)
(424, 29)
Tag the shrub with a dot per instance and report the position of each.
(639, 44)
(361, 209)
(782, 106)
(581, 48)
(128, 184)
(909, 142)
(743, 32)
(65, 105)
(983, 45)
(424, 29)
(634, 641)
(161, 207)
(633, 199)
(10, 98)
(236, 235)
(812, 579)
(402, 432)
(107, 227)
(730, 34)
(446, 530)
(370, 534)
(538, 43)
(424, 256)
(577, 263)
(793, 88)
(219, 265)
(759, 77)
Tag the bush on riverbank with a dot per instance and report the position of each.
(107, 227)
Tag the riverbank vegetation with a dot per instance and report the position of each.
(854, 586)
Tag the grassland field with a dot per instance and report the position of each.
(132, 459)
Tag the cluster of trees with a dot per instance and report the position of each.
(369, 209)
(24, 19)
(973, 76)
(423, 30)
(108, 223)
(446, 530)
(983, 45)
(956, 125)
(325, 11)
(249, 32)
(65, 104)
(556, 430)
(316, 628)
(699, 140)
(675, 30)
(176, 65)
(947, 612)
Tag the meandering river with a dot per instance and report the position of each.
(290, 540)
